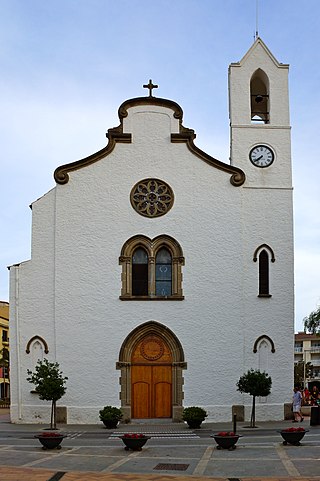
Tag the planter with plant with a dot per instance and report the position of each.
(226, 439)
(50, 440)
(110, 416)
(134, 441)
(293, 435)
(194, 416)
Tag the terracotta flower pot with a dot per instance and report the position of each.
(50, 441)
(226, 441)
(292, 436)
(134, 443)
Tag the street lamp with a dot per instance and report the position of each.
(304, 365)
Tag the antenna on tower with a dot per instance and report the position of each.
(257, 17)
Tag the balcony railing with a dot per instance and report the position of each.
(298, 350)
(315, 349)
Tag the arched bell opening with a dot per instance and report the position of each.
(259, 98)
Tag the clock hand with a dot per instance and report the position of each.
(258, 158)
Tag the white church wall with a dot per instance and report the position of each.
(196, 314)
(69, 293)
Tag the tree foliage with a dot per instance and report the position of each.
(312, 322)
(302, 371)
(49, 384)
(4, 357)
(4, 364)
(255, 383)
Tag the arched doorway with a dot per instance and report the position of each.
(151, 379)
(151, 361)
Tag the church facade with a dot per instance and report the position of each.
(160, 275)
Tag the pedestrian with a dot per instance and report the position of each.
(314, 395)
(305, 396)
(296, 405)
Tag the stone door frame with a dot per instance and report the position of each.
(178, 364)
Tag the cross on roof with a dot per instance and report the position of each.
(150, 86)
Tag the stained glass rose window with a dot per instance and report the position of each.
(151, 197)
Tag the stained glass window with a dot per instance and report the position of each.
(163, 273)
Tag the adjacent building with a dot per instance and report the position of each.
(307, 349)
(4, 351)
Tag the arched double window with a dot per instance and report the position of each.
(264, 254)
(151, 269)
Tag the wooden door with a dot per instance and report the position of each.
(151, 379)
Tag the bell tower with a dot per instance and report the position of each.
(260, 144)
(259, 118)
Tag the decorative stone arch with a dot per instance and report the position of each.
(264, 338)
(39, 339)
(263, 253)
(264, 247)
(151, 246)
(178, 364)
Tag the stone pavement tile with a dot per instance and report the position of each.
(8, 473)
(127, 477)
(233, 468)
(182, 452)
(141, 464)
(310, 468)
(70, 462)
(254, 453)
(112, 451)
(278, 478)
(8, 456)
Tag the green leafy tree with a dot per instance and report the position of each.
(302, 371)
(49, 384)
(255, 383)
(312, 322)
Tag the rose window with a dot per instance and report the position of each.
(152, 197)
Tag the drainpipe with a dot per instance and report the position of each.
(18, 340)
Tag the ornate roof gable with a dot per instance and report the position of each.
(116, 134)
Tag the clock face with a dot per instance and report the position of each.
(261, 156)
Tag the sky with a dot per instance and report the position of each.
(67, 65)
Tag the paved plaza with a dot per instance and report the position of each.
(94, 453)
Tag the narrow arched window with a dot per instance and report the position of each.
(259, 95)
(263, 273)
(140, 272)
(163, 273)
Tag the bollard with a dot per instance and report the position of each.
(235, 423)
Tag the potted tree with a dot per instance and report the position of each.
(110, 416)
(194, 416)
(255, 383)
(50, 386)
